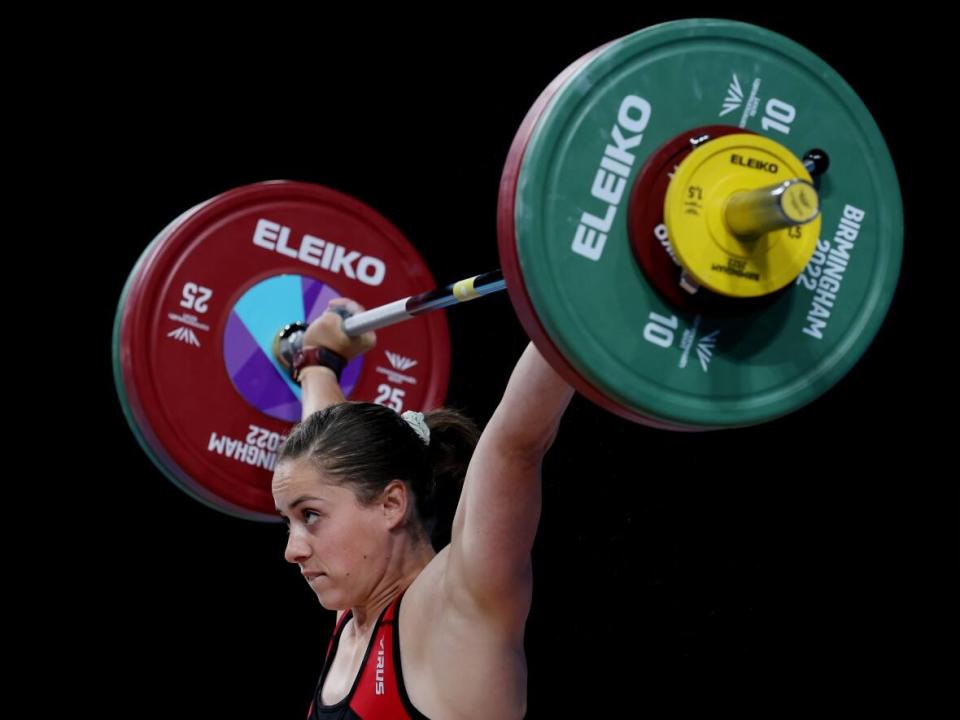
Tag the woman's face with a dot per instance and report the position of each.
(340, 545)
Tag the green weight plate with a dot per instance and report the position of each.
(584, 286)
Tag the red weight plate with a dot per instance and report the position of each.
(199, 321)
(648, 232)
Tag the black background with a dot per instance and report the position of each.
(764, 568)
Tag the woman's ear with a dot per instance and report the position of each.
(395, 501)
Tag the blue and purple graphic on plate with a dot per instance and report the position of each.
(247, 343)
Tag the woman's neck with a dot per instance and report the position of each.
(396, 581)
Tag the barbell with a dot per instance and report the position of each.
(699, 225)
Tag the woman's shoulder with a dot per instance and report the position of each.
(452, 654)
(425, 595)
(433, 603)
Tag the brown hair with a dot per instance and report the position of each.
(365, 446)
